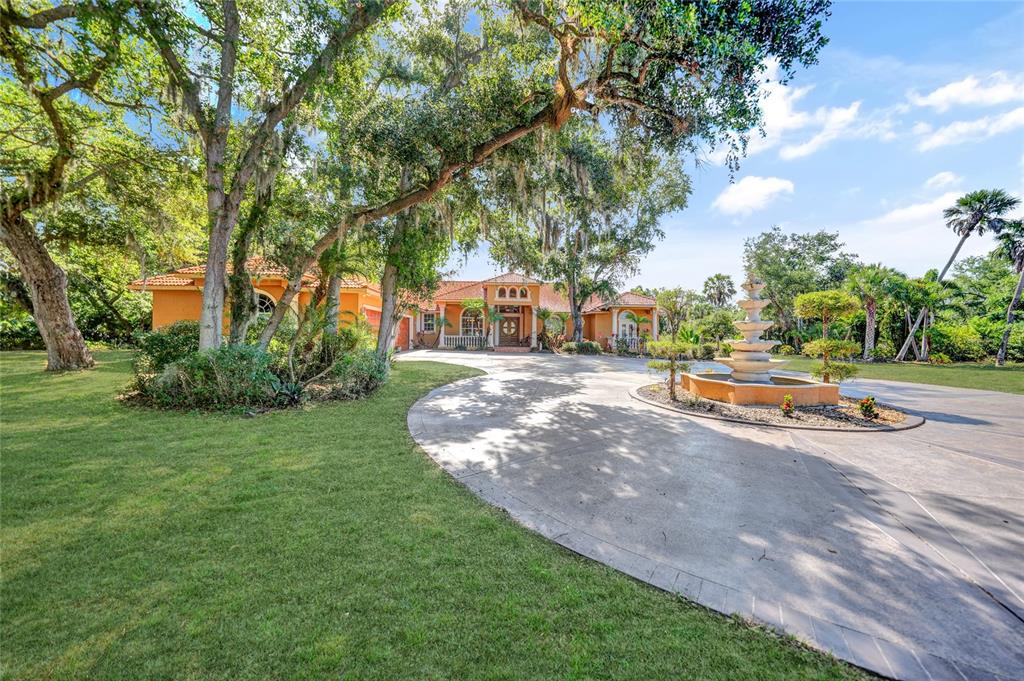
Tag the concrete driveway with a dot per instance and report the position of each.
(900, 552)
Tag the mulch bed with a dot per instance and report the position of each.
(845, 415)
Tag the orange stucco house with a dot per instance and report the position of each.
(178, 295)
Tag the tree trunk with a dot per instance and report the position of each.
(672, 379)
(243, 295)
(913, 329)
(211, 317)
(869, 328)
(1011, 317)
(281, 309)
(388, 297)
(333, 305)
(48, 288)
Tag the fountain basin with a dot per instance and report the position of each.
(722, 387)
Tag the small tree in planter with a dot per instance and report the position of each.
(828, 306)
(668, 356)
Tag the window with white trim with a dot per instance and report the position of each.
(429, 319)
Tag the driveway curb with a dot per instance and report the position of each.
(912, 420)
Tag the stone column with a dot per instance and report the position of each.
(654, 325)
(440, 343)
(615, 322)
(533, 327)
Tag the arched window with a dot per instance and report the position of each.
(512, 293)
(471, 323)
(523, 293)
(264, 303)
(501, 292)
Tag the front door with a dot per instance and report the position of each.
(508, 331)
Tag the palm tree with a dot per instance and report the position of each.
(719, 289)
(1011, 242)
(543, 315)
(637, 319)
(564, 318)
(972, 213)
(870, 284)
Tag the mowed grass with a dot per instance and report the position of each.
(1007, 379)
(311, 544)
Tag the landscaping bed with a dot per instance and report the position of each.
(844, 416)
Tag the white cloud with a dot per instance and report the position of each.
(997, 88)
(943, 179)
(835, 123)
(750, 194)
(959, 132)
(782, 120)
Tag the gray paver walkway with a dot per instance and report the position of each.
(901, 552)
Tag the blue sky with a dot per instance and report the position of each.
(911, 105)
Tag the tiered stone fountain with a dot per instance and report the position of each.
(750, 380)
(750, 359)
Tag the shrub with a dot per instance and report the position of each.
(787, 406)
(707, 351)
(884, 350)
(19, 332)
(786, 350)
(166, 345)
(834, 372)
(867, 407)
(621, 346)
(938, 358)
(223, 378)
(831, 348)
(582, 348)
(357, 375)
(1015, 348)
(959, 343)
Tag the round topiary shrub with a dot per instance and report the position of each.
(786, 350)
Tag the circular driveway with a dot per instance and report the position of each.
(900, 552)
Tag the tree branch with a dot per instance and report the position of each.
(42, 18)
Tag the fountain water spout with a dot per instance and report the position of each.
(750, 360)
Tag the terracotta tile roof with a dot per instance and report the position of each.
(256, 266)
(627, 299)
(460, 290)
(161, 280)
(511, 278)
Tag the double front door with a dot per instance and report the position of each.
(508, 331)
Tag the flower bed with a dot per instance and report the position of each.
(844, 416)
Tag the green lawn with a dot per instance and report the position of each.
(306, 544)
(1008, 379)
